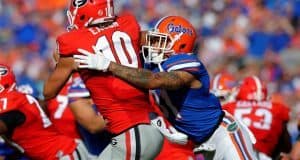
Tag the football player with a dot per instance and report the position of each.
(266, 119)
(224, 87)
(184, 84)
(126, 108)
(60, 114)
(24, 122)
(83, 108)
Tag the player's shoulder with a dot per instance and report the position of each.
(230, 105)
(66, 36)
(127, 18)
(67, 41)
(12, 100)
(180, 61)
(129, 24)
(280, 107)
(187, 57)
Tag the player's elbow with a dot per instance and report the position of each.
(48, 94)
(93, 125)
(94, 128)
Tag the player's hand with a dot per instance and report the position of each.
(89, 60)
(170, 133)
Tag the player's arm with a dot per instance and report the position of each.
(284, 144)
(144, 78)
(86, 116)
(59, 77)
(139, 77)
(295, 153)
(10, 120)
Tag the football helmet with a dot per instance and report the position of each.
(171, 35)
(252, 88)
(7, 78)
(83, 13)
(223, 84)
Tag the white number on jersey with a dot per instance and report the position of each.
(46, 121)
(119, 38)
(62, 105)
(265, 117)
(4, 104)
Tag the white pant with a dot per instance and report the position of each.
(142, 142)
(80, 153)
(262, 156)
(231, 141)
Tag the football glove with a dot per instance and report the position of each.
(170, 132)
(90, 60)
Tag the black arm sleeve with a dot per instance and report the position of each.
(12, 119)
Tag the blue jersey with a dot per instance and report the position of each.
(199, 111)
(95, 143)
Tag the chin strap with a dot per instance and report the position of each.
(71, 19)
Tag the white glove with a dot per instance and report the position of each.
(171, 134)
(90, 60)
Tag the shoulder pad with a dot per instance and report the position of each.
(11, 101)
(181, 62)
(67, 42)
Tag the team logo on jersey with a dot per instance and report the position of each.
(179, 29)
(114, 141)
(79, 3)
(3, 71)
(232, 127)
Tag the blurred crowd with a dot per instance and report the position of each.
(242, 37)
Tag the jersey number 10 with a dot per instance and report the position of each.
(124, 53)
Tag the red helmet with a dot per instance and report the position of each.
(174, 35)
(7, 78)
(222, 84)
(83, 13)
(252, 88)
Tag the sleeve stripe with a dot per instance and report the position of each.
(191, 69)
(78, 95)
(183, 66)
(180, 62)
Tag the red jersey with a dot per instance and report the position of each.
(123, 105)
(37, 136)
(60, 114)
(265, 119)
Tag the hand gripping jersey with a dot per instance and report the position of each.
(60, 114)
(123, 105)
(265, 119)
(199, 112)
(37, 136)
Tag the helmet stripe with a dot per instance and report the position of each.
(258, 88)
(158, 23)
(108, 8)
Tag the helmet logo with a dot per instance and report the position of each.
(79, 3)
(3, 71)
(179, 29)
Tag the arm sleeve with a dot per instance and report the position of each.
(77, 90)
(184, 62)
(12, 119)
